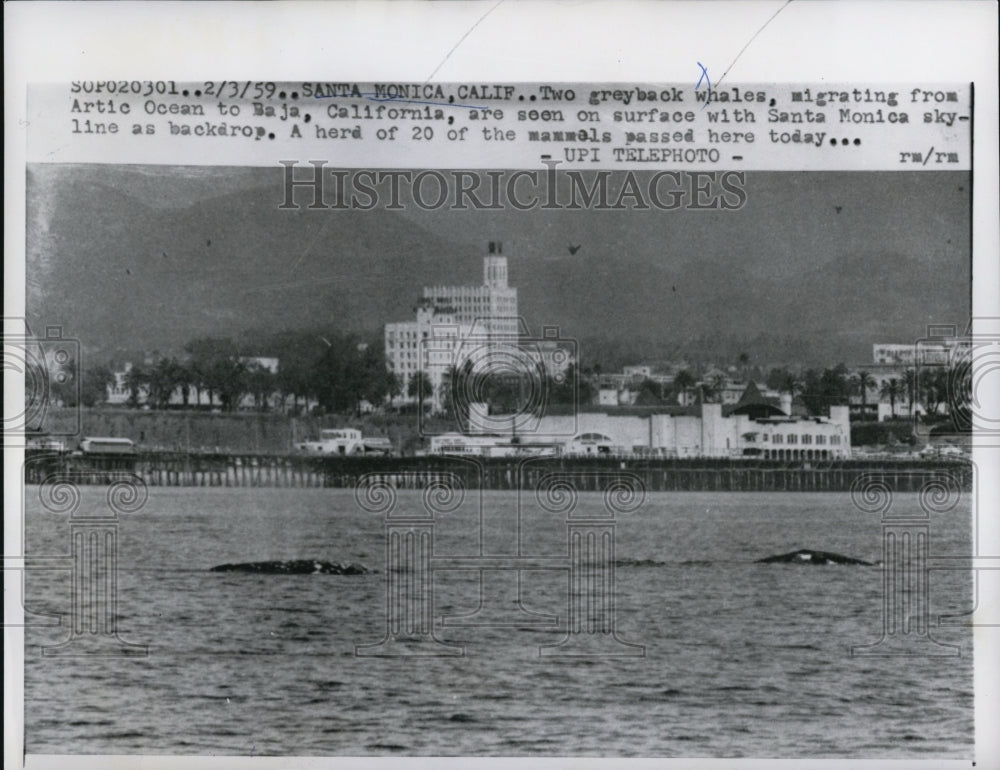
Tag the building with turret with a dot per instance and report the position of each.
(491, 308)
(450, 323)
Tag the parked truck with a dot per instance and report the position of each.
(345, 441)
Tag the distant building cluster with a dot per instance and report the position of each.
(652, 408)
(901, 362)
(631, 387)
(926, 353)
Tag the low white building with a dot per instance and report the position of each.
(707, 432)
(616, 396)
(753, 428)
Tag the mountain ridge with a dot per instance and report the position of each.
(129, 260)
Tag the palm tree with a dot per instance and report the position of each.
(183, 378)
(863, 380)
(393, 386)
(446, 388)
(934, 388)
(160, 383)
(136, 380)
(420, 387)
(712, 387)
(744, 362)
(891, 389)
(228, 377)
(682, 381)
(911, 386)
(791, 385)
(260, 381)
(95, 384)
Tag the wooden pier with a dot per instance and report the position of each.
(174, 469)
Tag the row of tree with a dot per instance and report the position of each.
(336, 371)
(819, 389)
(930, 387)
(340, 371)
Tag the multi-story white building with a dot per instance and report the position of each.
(492, 307)
(926, 352)
(458, 323)
(429, 344)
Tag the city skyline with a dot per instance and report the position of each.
(112, 251)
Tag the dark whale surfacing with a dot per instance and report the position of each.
(806, 556)
(294, 567)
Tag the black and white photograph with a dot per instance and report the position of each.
(501, 419)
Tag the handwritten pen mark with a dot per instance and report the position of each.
(461, 40)
(373, 96)
(370, 96)
(701, 77)
(573, 249)
(744, 48)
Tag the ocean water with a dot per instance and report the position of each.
(741, 658)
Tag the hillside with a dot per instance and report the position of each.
(824, 264)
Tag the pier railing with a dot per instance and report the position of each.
(181, 469)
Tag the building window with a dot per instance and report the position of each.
(835, 440)
(821, 439)
(806, 438)
(778, 438)
(793, 439)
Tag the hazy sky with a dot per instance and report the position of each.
(160, 254)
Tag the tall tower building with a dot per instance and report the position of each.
(447, 315)
(495, 268)
(491, 309)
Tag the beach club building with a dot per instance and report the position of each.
(755, 427)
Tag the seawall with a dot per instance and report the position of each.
(186, 469)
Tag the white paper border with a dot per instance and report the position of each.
(510, 41)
